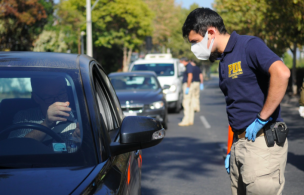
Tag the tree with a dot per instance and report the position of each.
(178, 45)
(165, 22)
(20, 22)
(71, 21)
(243, 16)
(285, 21)
(280, 25)
(115, 22)
(50, 41)
(121, 22)
(167, 28)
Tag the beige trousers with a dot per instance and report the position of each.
(196, 96)
(256, 169)
(188, 105)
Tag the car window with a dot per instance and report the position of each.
(104, 102)
(134, 82)
(39, 115)
(161, 69)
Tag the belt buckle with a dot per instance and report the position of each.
(239, 134)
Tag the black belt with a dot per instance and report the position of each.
(237, 132)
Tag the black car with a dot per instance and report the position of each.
(140, 94)
(62, 130)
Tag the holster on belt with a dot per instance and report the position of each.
(275, 133)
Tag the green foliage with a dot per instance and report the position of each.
(165, 21)
(168, 21)
(243, 16)
(287, 59)
(285, 21)
(179, 46)
(121, 22)
(71, 21)
(214, 67)
(50, 41)
(20, 22)
(279, 24)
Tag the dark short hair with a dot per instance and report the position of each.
(184, 59)
(202, 18)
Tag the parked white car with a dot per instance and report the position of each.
(168, 72)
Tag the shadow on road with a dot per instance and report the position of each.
(296, 160)
(180, 158)
(294, 122)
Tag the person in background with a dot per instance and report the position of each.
(198, 84)
(188, 91)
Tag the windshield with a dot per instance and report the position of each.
(40, 120)
(124, 82)
(161, 69)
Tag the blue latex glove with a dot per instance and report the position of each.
(187, 90)
(227, 163)
(201, 86)
(254, 128)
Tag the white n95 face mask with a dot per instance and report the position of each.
(200, 49)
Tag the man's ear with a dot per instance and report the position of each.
(211, 32)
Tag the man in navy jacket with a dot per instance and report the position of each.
(253, 80)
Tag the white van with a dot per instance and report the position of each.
(168, 72)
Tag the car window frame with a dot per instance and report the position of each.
(118, 112)
(108, 109)
(103, 136)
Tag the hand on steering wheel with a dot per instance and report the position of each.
(35, 126)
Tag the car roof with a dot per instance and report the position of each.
(143, 61)
(39, 59)
(134, 73)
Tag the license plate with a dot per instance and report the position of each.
(130, 114)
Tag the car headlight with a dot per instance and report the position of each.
(157, 105)
(172, 88)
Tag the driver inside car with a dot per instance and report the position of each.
(51, 96)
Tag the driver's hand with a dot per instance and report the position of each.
(56, 112)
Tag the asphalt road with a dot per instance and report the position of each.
(189, 161)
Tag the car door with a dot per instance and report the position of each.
(125, 168)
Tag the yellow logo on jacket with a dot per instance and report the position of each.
(234, 70)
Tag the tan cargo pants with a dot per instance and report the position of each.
(196, 96)
(256, 169)
(188, 105)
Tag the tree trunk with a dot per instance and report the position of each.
(78, 30)
(124, 61)
(294, 70)
(126, 58)
(129, 58)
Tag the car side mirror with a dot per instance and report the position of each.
(137, 132)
